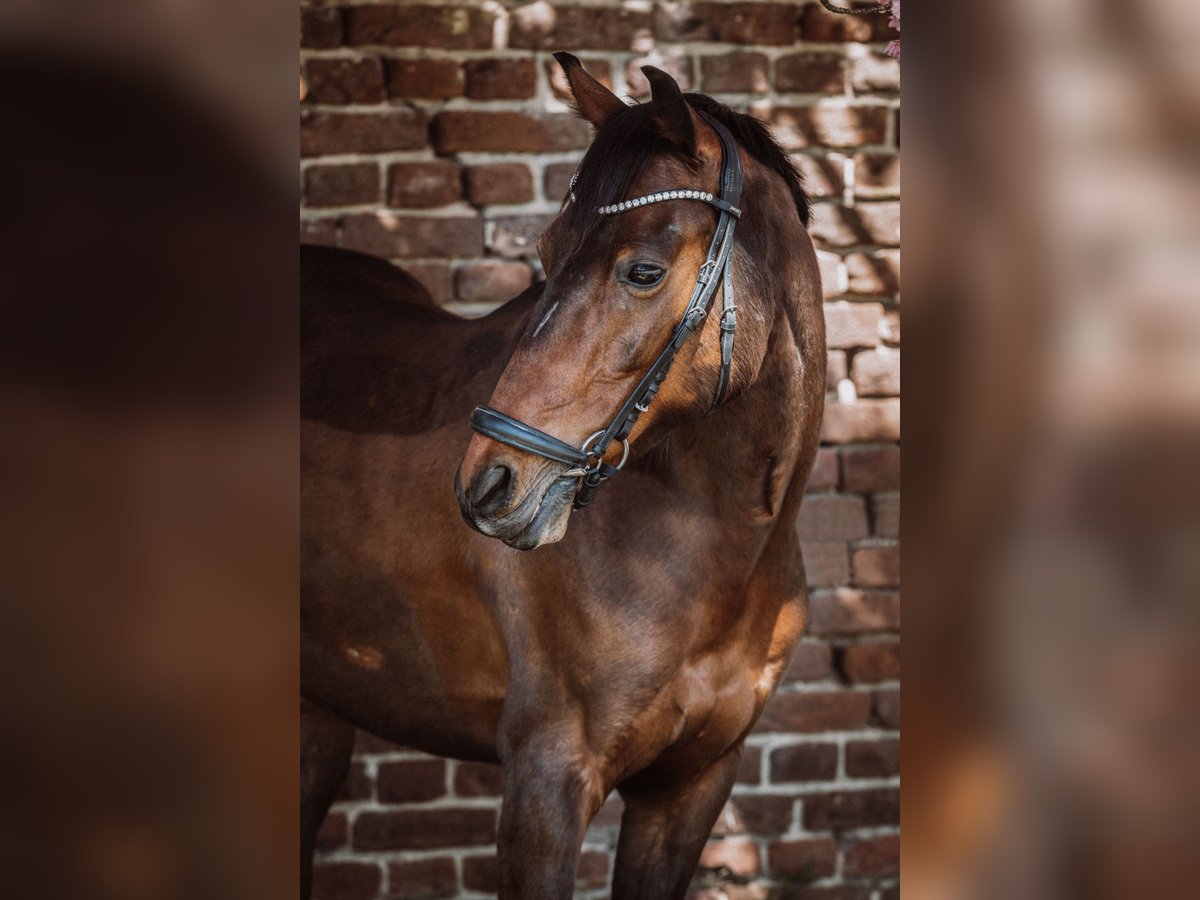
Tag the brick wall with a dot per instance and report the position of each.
(451, 115)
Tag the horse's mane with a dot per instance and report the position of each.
(628, 141)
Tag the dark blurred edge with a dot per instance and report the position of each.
(149, 470)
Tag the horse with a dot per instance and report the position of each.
(454, 599)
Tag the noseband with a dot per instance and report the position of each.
(587, 462)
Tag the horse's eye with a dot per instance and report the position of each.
(645, 275)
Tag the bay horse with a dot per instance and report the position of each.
(635, 649)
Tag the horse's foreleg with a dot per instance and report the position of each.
(326, 743)
(663, 831)
(549, 798)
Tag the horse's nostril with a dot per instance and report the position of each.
(492, 489)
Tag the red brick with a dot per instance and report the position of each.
(491, 281)
(866, 470)
(480, 873)
(807, 859)
(732, 856)
(811, 73)
(876, 373)
(346, 881)
(826, 563)
(426, 878)
(833, 273)
(583, 28)
(411, 781)
(345, 80)
(592, 871)
(887, 708)
(476, 779)
(827, 124)
(507, 132)
(851, 809)
(824, 174)
(357, 785)
(875, 72)
(765, 814)
(889, 329)
(320, 29)
(876, 566)
(744, 23)
(852, 324)
(516, 236)
(333, 833)
(558, 180)
(804, 762)
(819, 25)
(877, 173)
(678, 67)
(408, 25)
(810, 712)
(341, 185)
(832, 517)
(600, 69)
(750, 769)
(874, 273)
(835, 370)
(876, 222)
(885, 515)
(849, 611)
(875, 857)
(811, 661)
(873, 759)
(864, 420)
(389, 236)
(874, 661)
(824, 472)
(434, 79)
(337, 132)
(740, 71)
(434, 277)
(499, 183)
(500, 79)
(423, 185)
(319, 231)
(424, 829)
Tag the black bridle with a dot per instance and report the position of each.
(587, 462)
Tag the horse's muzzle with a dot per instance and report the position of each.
(494, 501)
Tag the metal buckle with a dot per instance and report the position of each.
(706, 271)
(730, 312)
(578, 471)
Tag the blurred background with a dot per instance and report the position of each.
(441, 136)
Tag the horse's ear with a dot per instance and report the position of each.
(595, 102)
(670, 110)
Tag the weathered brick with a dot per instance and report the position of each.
(849, 611)
(338, 132)
(889, 328)
(832, 517)
(807, 859)
(424, 829)
(558, 179)
(423, 185)
(866, 470)
(319, 231)
(499, 183)
(413, 25)
(762, 813)
(877, 272)
(434, 79)
(811, 661)
(826, 563)
(873, 759)
(876, 566)
(600, 69)
(875, 72)
(411, 781)
(750, 768)
(739, 71)
(516, 236)
(507, 132)
(476, 779)
(804, 762)
(346, 880)
(434, 277)
(816, 711)
(824, 175)
(835, 370)
(491, 281)
(850, 325)
(885, 515)
(744, 23)
(345, 80)
(341, 185)
(811, 73)
(539, 27)
(320, 28)
(500, 79)
(874, 857)
(333, 833)
(426, 878)
(357, 785)
(877, 173)
(876, 222)
(678, 67)
(386, 235)
(826, 124)
(864, 420)
(592, 871)
(824, 474)
(851, 809)
(819, 25)
(887, 708)
(876, 373)
(833, 273)
(480, 873)
(735, 856)
(873, 661)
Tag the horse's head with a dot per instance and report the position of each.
(617, 285)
